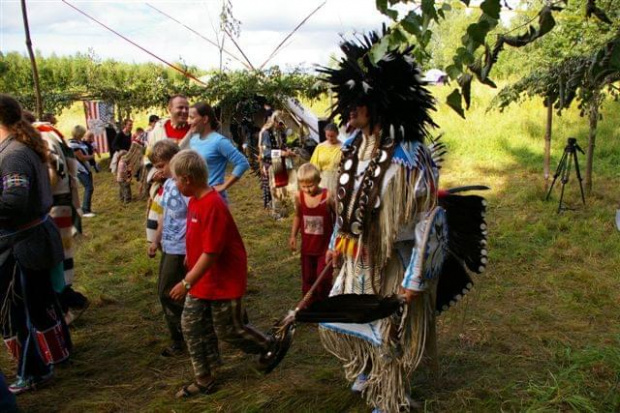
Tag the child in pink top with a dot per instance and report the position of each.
(123, 177)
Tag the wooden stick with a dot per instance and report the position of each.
(239, 48)
(304, 300)
(203, 37)
(289, 35)
(33, 62)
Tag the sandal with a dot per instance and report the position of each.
(194, 389)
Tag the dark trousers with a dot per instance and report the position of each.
(311, 267)
(124, 192)
(206, 321)
(171, 272)
(7, 399)
(31, 302)
(87, 182)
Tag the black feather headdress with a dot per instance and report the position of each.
(391, 88)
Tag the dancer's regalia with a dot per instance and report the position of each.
(274, 169)
(391, 231)
(65, 209)
(30, 249)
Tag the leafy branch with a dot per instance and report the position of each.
(476, 56)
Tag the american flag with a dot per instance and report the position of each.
(98, 116)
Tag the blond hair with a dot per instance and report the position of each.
(189, 163)
(78, 132)
(87, 134)
(308, 173)
(275, 118)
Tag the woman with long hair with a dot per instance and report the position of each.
(30, 249)
(272, 154)
(217, 150)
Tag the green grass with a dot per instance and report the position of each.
(540, 332)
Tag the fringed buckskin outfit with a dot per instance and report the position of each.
(391, 227)
(385, 197)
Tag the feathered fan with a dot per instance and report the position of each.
(467, 244)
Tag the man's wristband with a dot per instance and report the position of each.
(186, 285)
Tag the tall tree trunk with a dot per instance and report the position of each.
(594, 107)
(547, 159)
(33, 62)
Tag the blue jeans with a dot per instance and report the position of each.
(87, 182)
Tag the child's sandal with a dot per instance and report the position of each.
(194, 389)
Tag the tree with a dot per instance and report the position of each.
(65, 80)
(476, 55)
(236, 92)
(580, 61)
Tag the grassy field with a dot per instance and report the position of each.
(539, 333)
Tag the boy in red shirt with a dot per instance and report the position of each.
(216, 280)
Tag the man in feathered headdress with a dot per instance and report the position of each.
(391, 234)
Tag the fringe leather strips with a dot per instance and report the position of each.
(372, 266)
(407, 194)
(388, 366)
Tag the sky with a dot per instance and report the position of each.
(57, 28)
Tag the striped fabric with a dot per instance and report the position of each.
(98, 115)
(155, 210)
(63, 218)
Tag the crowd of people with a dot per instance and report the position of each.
(367, 207)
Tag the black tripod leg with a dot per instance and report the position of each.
(557, 173)
(583, 197)
(565, 176)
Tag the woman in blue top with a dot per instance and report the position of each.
(216, 149)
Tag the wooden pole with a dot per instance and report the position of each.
(33, 62)
(594, 113)
(200, 35)
(289, 35)
(547, 161)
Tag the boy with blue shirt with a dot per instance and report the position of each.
(170, 238)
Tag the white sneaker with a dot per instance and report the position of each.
(89, 215)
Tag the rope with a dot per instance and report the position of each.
(178, 69)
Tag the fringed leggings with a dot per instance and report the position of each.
(264, 184)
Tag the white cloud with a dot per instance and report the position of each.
(57, 28)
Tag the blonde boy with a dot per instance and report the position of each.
(217, 278)
(314, 218)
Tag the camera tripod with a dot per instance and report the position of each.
(568, 158)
